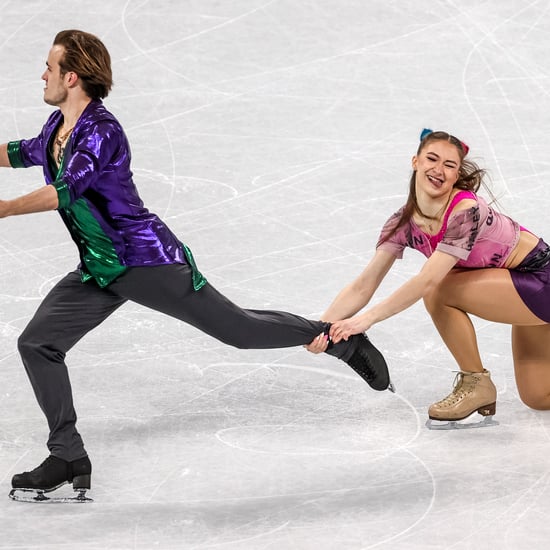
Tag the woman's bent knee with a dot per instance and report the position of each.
(432, 300)
(538, 402)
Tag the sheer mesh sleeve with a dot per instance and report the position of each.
(398, 241)
(461, 234)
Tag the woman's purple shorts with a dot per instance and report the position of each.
(532, 280)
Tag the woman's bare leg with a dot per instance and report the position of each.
(490, 294)
(457, 331)
(531, 352)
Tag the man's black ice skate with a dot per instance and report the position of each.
(49, 476)
(369, 363)
(361, 355)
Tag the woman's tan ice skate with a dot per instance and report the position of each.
(472, 391)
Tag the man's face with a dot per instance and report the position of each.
(56, 89)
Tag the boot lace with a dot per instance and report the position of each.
(463, 384)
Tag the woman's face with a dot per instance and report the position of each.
(437, 167)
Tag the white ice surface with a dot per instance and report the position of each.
(275, 137)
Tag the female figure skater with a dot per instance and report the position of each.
(479, 262)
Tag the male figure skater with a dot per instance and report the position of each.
(126, 253)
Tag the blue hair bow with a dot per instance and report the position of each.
(427, 131)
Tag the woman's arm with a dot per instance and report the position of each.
(431, 274)
(354, 296)
(357, 294)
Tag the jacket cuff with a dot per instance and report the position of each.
(14, 154)
(63, 195)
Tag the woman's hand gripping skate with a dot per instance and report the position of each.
(319, 344)
(342, 330)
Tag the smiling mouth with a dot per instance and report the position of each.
(435, 181)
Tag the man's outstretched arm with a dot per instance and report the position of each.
(4, 159)
(41, 200)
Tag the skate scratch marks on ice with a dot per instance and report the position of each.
(14, 466)
(173, 410)
(422, 517)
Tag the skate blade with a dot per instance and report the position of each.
(25, 495)
(391, 387)
(457, 425)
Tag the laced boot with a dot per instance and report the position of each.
(472, 391)
(363, 357)
(53, 473)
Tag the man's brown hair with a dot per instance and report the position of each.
(87, 56)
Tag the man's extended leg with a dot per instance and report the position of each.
(168, 289)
